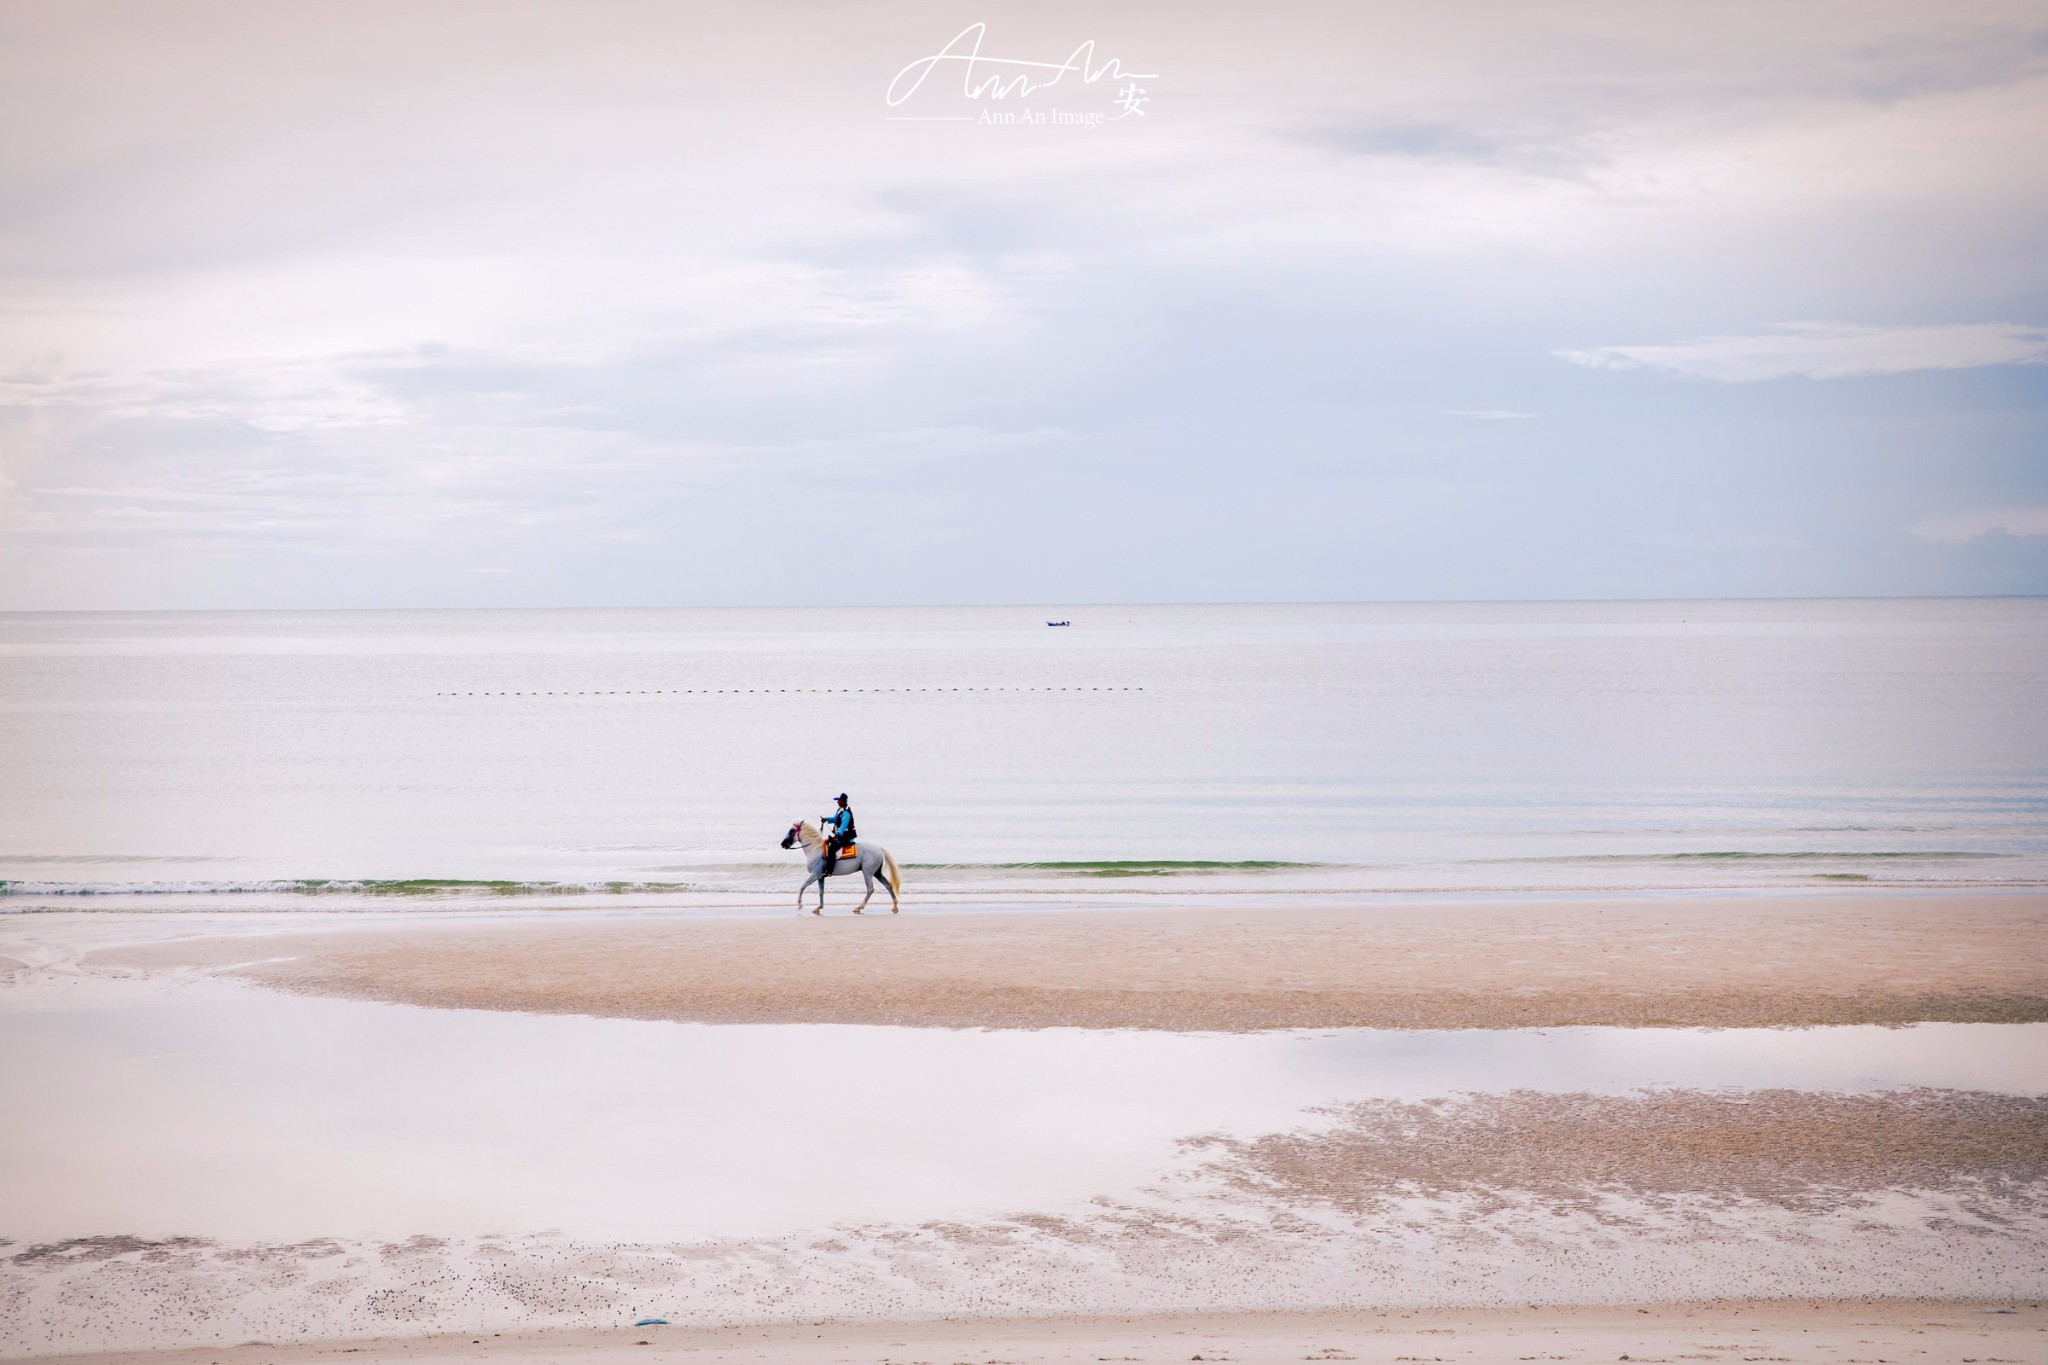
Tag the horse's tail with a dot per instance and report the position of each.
(895, 877)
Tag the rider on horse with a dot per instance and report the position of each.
(838, 832)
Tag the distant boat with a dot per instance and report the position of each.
(1059, 623)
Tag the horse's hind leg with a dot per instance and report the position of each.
(869, 878)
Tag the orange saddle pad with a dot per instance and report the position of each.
(850, 851)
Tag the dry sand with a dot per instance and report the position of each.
(1729, 962)
(1894, 1333)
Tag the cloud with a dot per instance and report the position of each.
(460, 469)
(685, 315)
(1444, 143)
(1829, 350)
(278, 394)
(1959, 527)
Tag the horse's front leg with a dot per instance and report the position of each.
(807, 886)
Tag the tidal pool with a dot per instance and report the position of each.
(234, 1113)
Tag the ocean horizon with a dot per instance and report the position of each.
(443, 757)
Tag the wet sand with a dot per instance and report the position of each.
(1508, 1199)
(1924, 1332)
(1492, 1202)
(1729, 962)
(1795, 1149)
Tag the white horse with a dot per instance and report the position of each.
(870, 860)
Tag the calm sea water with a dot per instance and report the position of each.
(259, 1115)
(1664, 746)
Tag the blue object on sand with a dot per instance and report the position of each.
(652, 1322)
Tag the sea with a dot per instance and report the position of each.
(444, 759)
(192, 1159)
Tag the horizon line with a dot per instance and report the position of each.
(1055, 604)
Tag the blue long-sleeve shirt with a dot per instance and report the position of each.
(839, 823)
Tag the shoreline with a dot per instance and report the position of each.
(1797, 1330)
(1298, 1236)
(286, 896)
(1706, 961)
(298, 912)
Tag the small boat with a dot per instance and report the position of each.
(1059, 623)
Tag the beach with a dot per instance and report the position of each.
(431, 983)
(1845, 1107)
(1938, 1333)
(1697, 961)
(889, 685)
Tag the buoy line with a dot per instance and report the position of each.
(758, 691)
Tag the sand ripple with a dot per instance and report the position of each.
(1504, 1200)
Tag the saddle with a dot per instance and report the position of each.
(850, 851)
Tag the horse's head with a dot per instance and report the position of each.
(789, 839)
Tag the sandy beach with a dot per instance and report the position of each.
(1839, 1333)
(1695, 961)
(1466, 1209)
(1519, 1220)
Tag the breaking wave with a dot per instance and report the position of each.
(319, 886)
(1743, 866)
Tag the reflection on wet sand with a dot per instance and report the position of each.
(191, 1159)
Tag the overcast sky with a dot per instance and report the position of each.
(602, 303)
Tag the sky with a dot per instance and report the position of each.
(611, 303)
